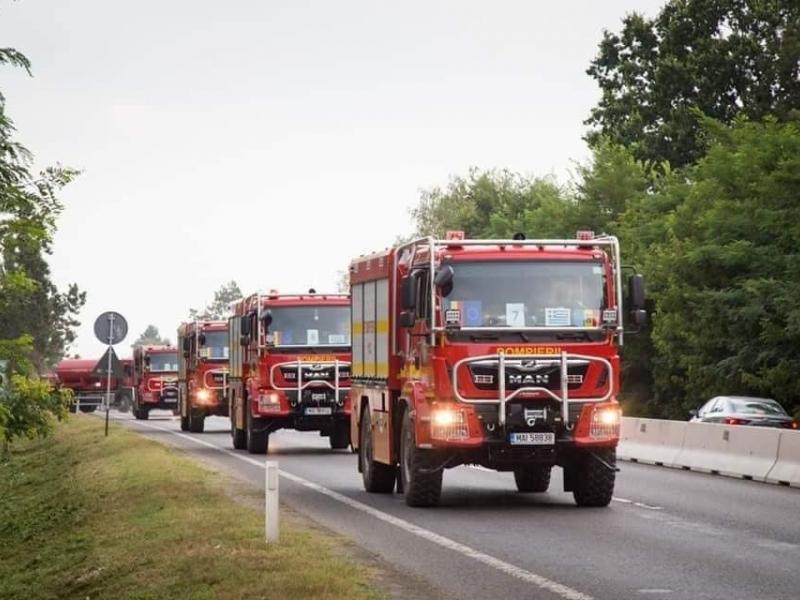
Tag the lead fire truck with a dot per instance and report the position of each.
(89, 388)
(155, 379)
(289, 367)
(202, 372)
(500, 353)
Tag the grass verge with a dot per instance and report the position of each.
(83, 516)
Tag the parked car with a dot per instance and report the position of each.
(744, 410)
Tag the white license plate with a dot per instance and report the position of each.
(319, 410)
(533, 438)
(170, 400)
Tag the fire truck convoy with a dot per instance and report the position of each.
(89, 388)
(501, 353)
(289, 367)
(202, 372)
(155, 379)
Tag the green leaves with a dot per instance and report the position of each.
(218, 308)
(30, 407)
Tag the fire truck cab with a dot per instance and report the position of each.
(289, 367)
(500, 353)
(202, 372)
(155, 379)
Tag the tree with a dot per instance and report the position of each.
(218, 308)
(719, 244)
(29, 408)
(721, 59)
(34, 315)
(494, 204)
(151, 337)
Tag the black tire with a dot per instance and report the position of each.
(594, 481)
(421, 487)
(340, 435)
(196, 422)
(532, 478)
(141, 414)
(124, 403)
(257, 441)
(73, 408)
(88, 409)
(378, 478)
(184, 423)
(238, 436)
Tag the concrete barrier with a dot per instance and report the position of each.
(651, 441)
(749, 452)
(787, 467)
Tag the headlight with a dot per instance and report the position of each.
(449, 424)
(203, 395)
(605, 422)
(269, 402)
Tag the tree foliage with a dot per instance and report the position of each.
(151, 337)
(29, 408)
(218, 308)
(722, 58)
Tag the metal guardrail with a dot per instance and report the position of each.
(500, 358)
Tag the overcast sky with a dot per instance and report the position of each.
(270, 142)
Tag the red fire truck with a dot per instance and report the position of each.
(155, 379)
(89, 388)
(202, 372)
(289, 367)
(501, 353)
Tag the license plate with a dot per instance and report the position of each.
(170, 400)
(319, 410)
(317, 396)
(533, 438)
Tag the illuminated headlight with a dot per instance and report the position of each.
(269, 402)
(203, 395)
(605, 423)
(97, 384)
(449, 424)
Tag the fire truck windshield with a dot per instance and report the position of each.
(216, 345)
(526, 294)
(310, 326)
(164, 362)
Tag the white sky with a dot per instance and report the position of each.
(270, 142)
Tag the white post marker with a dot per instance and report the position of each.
(271, 501)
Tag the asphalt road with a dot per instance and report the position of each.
(667, 534)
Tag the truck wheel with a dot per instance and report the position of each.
(124, 403)
(196, 422)
(238, 436)
(594, 481)
(88, 409)
(421, 487)
(378, 477)
(257, 441)
(340, 435)
(532, 478)
(141, 414)
(184, 423)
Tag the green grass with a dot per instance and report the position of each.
(83, 516)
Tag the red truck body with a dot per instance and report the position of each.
(155, 379)
(89, 388)
(202, 372)
(501, 353)
(289, 367)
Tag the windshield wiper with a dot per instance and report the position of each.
(574, 335)
(477, 337)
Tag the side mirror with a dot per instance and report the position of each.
(693, 412)
(244, 325)
(244, 340)
(406, 319)
(640, 318)
(146, 361)
(444, 276)
(408, 292)
(202, 339)
(187, 344)
(267, 320)
(636, 295)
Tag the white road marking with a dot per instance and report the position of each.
(655, 591)
(527, 576)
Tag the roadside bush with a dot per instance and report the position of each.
(29, 408)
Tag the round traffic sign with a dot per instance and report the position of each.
(111, 327)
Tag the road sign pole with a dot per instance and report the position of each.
(108, 376)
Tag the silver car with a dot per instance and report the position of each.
(744, 410)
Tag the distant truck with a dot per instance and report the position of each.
(202, 372)
(289, 367)
(89, 388)
(500, 353)
(155, 379)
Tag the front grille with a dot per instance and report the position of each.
(315, 373)
(528, 373)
